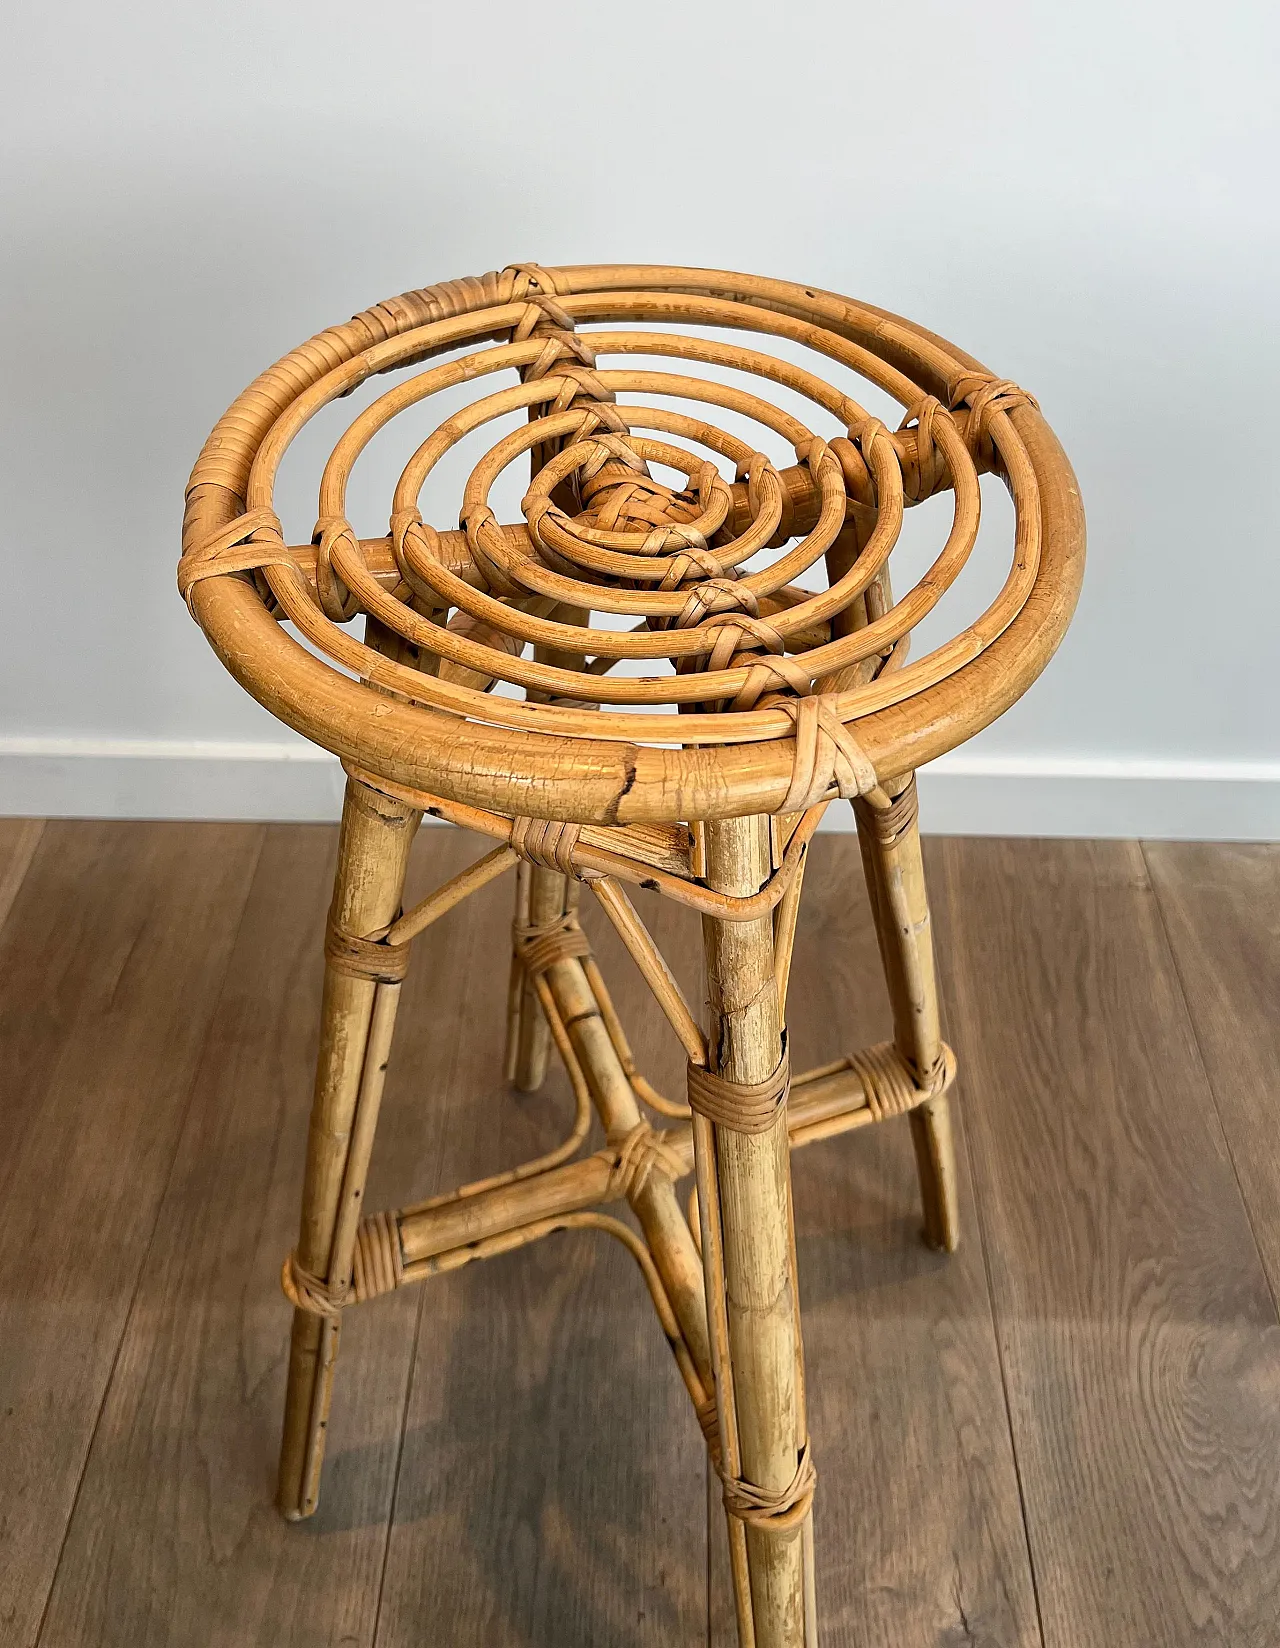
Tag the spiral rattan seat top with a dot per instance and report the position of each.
(752, 596)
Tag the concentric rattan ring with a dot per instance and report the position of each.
(741, 596)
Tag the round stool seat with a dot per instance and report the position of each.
(692, 617)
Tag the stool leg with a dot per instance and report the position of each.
(748, 1253)
(357, 1019)
(541, 895)
(540, 898)
(894, 868)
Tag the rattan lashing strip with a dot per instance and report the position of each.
(889, 824)
(545, 842)
(376, 958)
(743, 1107)
(827, 756)
(543, 946)
(891, 1086)
(307, 1291)
(641, 1152)
(765, 1508)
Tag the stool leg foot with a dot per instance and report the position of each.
(894, 869)
(936, 1166)
(357, 1019)
(749, 1259)
(541, 896)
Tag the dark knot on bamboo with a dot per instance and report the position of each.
(707, 1414)
(743, 1107)
(374, 958)
(640, 1152)
(778, 1511)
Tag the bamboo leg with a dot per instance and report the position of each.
(357, 1019)
(541, 896)
(894, 869)
(745, 1208)
(540, 899)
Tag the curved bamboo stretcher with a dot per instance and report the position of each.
(661, 674)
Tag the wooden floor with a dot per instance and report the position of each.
(1067, 1435)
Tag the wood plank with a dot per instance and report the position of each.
(112, 958)
(18, 840)
(1140, 1343)
(1221, 908)
(551, 1486)
(917, 1520)
(176, 1539)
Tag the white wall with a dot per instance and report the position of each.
(1081, 195)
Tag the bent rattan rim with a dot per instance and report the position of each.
(578, 774)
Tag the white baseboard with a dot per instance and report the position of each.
(167, 778)
(962, 794)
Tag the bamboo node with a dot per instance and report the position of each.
(365, 958)
(708, 1417)
(777, 1511)
(641, 1152)
(743, 1107)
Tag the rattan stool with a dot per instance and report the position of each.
(761, 611)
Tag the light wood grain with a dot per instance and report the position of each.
(1221, 908)
(18, 840)
(1140, 1342)
(111, 959)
